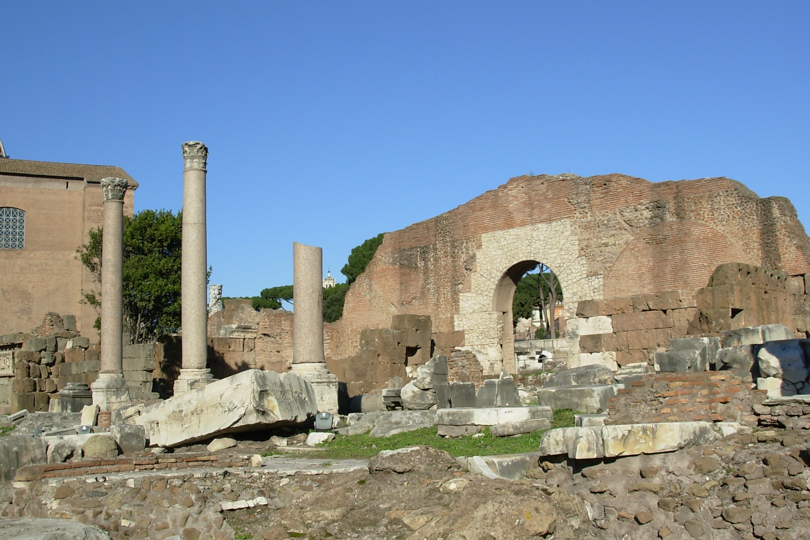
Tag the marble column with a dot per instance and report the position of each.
(308, 359)
(110, 390)
(194, 314)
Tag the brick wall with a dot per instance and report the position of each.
(711, 396)
(608, 238)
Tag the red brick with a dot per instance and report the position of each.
(722, 399)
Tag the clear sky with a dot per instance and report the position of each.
(329, 122)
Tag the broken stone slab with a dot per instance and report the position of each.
(631, 372)
(60, 451)
(220, 443)
(315, 438)
(688, 355)
(739, 359)
(18, 451)
(776, 387)
(359, 423)
(502, 392)
(584, 399)
(756, 335)
(517, 428)
(492, 416)
(784, 360)
(625, 440)
(245, 503)
(508, 467)
(393, 422)
(590, 420)
(583, 375)
(130, 439)
(49, 529)
(248, 400)
(421, 393)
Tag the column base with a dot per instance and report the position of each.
(324, 383)
(110, 392)
(191, 379)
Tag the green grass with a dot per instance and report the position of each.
(365, 446)
(6, 430)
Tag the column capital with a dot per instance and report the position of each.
(114, 188)
(195, 155)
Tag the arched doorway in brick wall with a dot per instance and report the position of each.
(503, 258)
(504, 302)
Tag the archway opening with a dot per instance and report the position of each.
(529, 302)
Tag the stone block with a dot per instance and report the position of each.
(606, 359)
(666, 300)
(584, 375)
(517, 428)
(18, 451)
(92, 355)
(26, 356)
(740, 359)
(498, 393)
(636, 356)
(138, 376)
(492, 416)
(101, 447)
(600, 324)
(618, 305)
(69, 322)
(775, 332)
(130, 439)
(649, 339)
(393, 422)
(19, 386)
(590, 420)
(50, 344)
(680, 362)
(366, 403)
(784, 360)
(81, 342)
(74, 355)
(47, 358)
(588, 308)
(20, 401)
(507, 467)
(36, 344)
(583, 399)
(625, 440)
(461, 394)
(251, 399)
(796, 285)
(644, 320)
(60, 451)
(44, 373)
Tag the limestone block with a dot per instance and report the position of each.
(367, 403)
(644, 320)
(776, 387)
(739, 359)
(60, 451)
(634, 439)
(590, 420)
(507, 467)
(516, 428)
(784, 360)
(587, 375)
(18, 451)
(498, 393)
(393, 422)
(417, 399)
(89, 415)
(625, 440)
(248, 400)
(317, 437)
(492, 416)
(585, 326)
(221, 443)
(583, 398)
(461, 394)
(775, 332)
(606, 359)
(588, 308)
(680, 361)
(129, 438)
(100, 446)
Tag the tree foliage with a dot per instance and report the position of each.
(271, 298)
(333, 299)
(151, 273)
(360, 257)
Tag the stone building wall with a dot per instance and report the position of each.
(62, 203)
(607, 238)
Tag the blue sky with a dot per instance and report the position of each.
(329, 122)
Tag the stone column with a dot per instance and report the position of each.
(194, 373)
(110, 390)
(308, 359)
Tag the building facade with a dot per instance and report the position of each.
(47, 211)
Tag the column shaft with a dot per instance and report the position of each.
(308, 304)
(194, 273)
(112, 273)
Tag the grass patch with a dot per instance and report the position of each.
(365, 446)
(6, 430)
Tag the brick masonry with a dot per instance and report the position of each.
(710, 396)
(610, 238)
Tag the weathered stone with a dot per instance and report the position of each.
(584, 399)
(244, 401)
(735, 514)
(18, 451)
(60, 451)
(412, 458)
(316, 437)
(584, 375)
(393, 422)
(783, 359)
(460, 394)
(500, 392)
(49, 529)
(706, 465)
(100, 446)
(590, 420)
(421, 393)
(89, 415)
(516, 428)
(739, 359)
(492, 416)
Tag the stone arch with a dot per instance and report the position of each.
(502, 259)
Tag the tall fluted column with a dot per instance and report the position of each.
(110, 389)
(193, 372)
(308, 359)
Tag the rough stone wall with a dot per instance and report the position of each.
(708, 396)
(606, 237)
(274, 340)
(463, 366)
